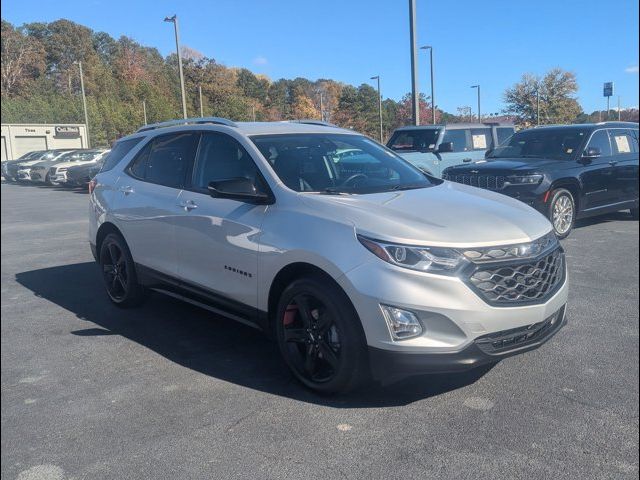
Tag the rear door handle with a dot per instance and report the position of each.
(613, 163)
(188, 205)
(467, 160)
(126, 190)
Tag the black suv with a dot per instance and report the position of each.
(563, 171)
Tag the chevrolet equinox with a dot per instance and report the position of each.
(355, 261)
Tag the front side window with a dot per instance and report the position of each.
(554, 143)
(420, 140)
(118, 152)
(166, 159)
(221, 157)
(459, 139)
(600, 140)
(337, 163)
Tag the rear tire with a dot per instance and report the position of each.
(119, 272)
(562, 212)
(320, 336)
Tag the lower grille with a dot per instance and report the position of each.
(513, 283)
(488, 182)
(506, 340)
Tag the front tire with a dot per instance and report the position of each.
(320, 336)
(119, 272)
(562, 212)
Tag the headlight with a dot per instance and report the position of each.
(523, 179)
(444, 261)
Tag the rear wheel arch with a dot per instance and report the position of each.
(105, 229)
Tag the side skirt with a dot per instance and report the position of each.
(202, 298)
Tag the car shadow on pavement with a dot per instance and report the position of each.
(208, 343)
(622, 216)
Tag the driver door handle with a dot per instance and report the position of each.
(126, 189)
(613, 163)
(467, 160)
(188, 205)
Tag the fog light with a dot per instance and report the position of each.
(402, 323)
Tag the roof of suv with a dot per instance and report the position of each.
(589, 125)
(249, 128)
(455, 126)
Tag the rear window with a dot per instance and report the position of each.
(118, 152)
(481, 139)
(459, 139)
(504, 134)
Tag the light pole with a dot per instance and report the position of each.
(144, 111)
(200, 95)
(415, 96)
(84, 103)
(174, 20)
(479, 114)
(321, 94)
(377, 77)
(433, 100)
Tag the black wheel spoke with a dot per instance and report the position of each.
(113, 253)
(295, 335)
(324, 323)
(304, 310)
(310, 360)
(329, 355)
(122, 283)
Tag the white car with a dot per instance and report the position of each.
(58, 172)
(21, 171)
(368, 268)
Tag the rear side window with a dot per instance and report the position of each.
(623, 141)
(504, 134)
(600, 140)
(414, 140)
(166, 159)
(481, 139)
(118, 152)
(458, 138)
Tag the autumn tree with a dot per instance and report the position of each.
(23, 59)
(556, 90)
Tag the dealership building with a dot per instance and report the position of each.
(20, 138)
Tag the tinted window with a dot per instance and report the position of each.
(623, 141)
(458, 138)
(481, 139)
(416, 140)
(221, 157)
(166, 159)
(600, 140)
(118, 152)
(556, 143)
(504, 134)
(335, 163)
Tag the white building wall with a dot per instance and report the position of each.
(18, 139)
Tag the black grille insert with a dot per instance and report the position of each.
(522, 282)
(488, 182)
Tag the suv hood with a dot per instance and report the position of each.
(504, 165)
(448, 214)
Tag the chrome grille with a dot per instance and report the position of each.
(52, 170)
(513, 283)
(488, 182)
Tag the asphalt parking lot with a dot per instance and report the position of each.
(172, 391)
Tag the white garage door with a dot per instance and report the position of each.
(4, 150)
(24, 145)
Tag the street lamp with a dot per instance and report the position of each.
(321, 95)
(433, 100)
(415, 95)
(479, 114)
(377, 77)
(174, 20)
(84, 102)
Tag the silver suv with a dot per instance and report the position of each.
(353, 259)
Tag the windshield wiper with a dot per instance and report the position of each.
(408, 187)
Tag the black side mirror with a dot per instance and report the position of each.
(239, 188)
(445, 147)
(591, 152)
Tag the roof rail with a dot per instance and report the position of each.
(313, 122)
(188, 121)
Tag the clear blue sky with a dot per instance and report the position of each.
(491, 43)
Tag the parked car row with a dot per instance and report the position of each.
(566, 172)
(73, 168)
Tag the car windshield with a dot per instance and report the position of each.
(337, 163)
(559, 144)
(418, 139)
